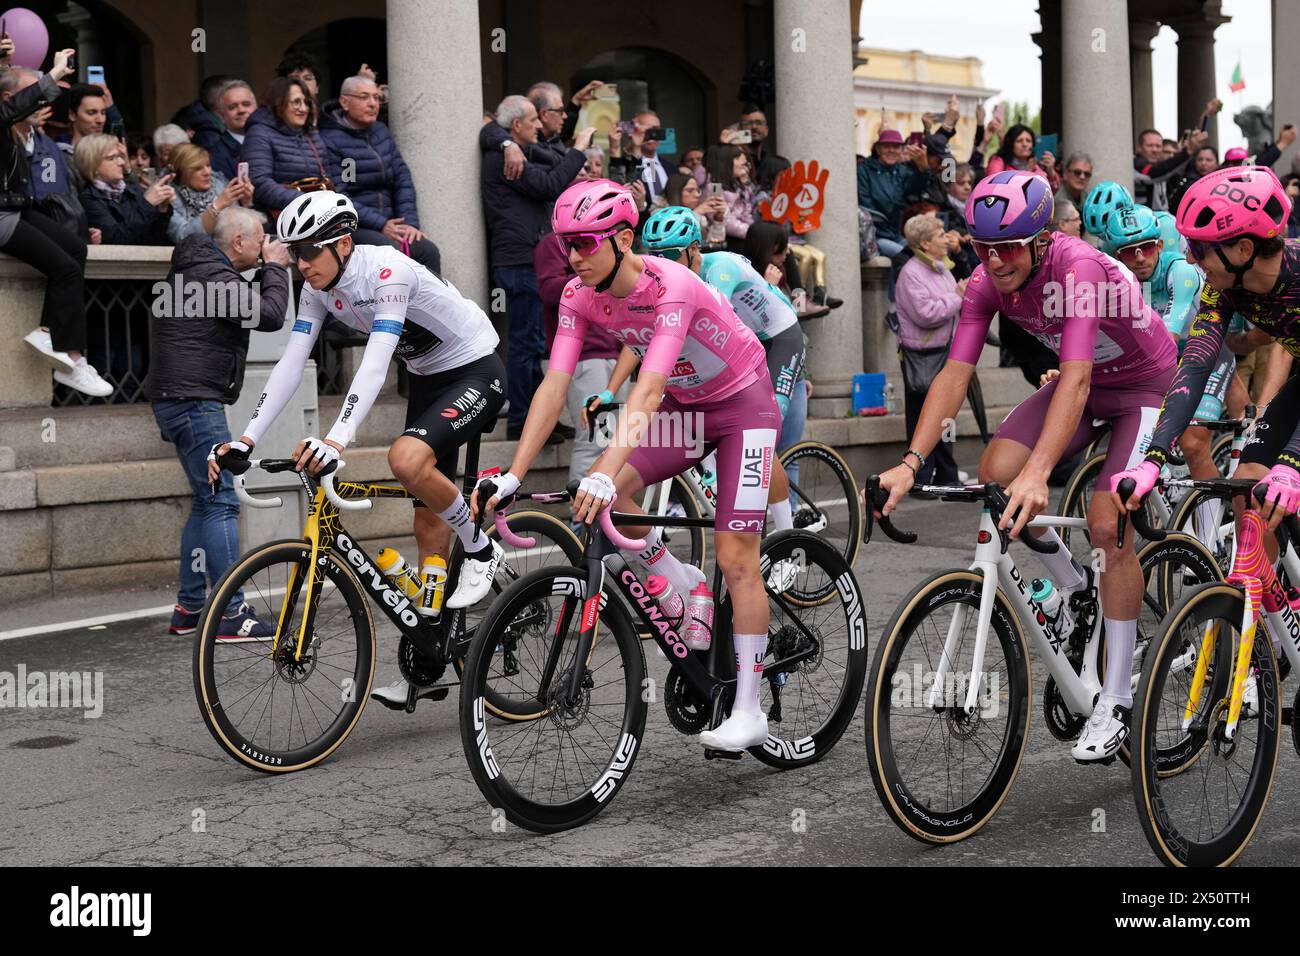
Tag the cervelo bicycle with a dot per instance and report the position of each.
(582, 668)
(823, 495)
(947, 718)
(284, 703)
(1204, 762)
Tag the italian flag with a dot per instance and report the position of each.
(1236, 84)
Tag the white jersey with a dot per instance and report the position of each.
(382, 290)
(408, 312)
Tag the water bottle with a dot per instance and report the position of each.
(1049, 599)
(699, 632)
(395, 568)
(889, 398)
(434, 573)
(670, 602)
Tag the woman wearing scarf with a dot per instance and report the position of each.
(928, 302)
(201, 194)
(122, 211)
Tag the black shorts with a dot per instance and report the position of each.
(785, 363)
(449, 408)
(1275, 429)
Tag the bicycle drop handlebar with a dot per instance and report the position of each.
(276, 465)
(990, 493)
(622, 542)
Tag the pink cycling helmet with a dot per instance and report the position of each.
(596, 206)
(1235, 156)
(1232, 202)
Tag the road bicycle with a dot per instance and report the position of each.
(285, 702)
(947, 718)
(1204, 755)
(582, 668)
(823, 497)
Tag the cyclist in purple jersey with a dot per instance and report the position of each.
(1115, 362)
(699, 364)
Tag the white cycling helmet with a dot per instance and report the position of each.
(317, 217)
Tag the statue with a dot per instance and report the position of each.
(1256, 124)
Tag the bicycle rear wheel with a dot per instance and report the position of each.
(824, 496)
(561, 769)
(265, 705)
(1200, 795)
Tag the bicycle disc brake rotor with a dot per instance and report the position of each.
(565, 714)
(1063, 724)
(686, 711)
(296, 671)
(417, 668)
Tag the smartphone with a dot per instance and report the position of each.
(95, 75)
(999, 112)
(3, 23)
(715, 189)
(607, 91)
(742, 136)
(72, 62)
(1205, 122)
(625, 127)
(915, 139)
(656, 133)
(241, 171)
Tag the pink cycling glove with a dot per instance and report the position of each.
(1282, 486)
(1145, 476)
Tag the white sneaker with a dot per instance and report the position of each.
(1249, 697)
(395, 694)
(39, 339)
(84, 379)
(738, 732)
(783, 575)
(476, 579)
(1105, 731)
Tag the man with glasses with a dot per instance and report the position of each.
(1116, 360)
(1077, 179)
(457, 382)
(375, 177)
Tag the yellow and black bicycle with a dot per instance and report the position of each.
(285, 702)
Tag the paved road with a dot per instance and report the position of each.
(126, 788)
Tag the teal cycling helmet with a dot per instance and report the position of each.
(1169, 231)
(1104, 199)
(1127, 227)
(673, 227)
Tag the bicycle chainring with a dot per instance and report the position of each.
(685, 710)
(416, 668)
(1063, 724)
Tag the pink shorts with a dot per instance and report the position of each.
(742, 429)
(1131, 413)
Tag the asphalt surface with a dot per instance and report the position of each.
(145, 784)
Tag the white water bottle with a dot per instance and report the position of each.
(669, 601)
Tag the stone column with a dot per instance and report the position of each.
(1196, 71)
(814, 98)
(1048, 40)
(1095, 63)
(1140, 35)
(436, 112)
(1286, 73)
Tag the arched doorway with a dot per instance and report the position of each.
(653, 79)
(339, 47)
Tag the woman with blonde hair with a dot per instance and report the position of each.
(201, 194)
(123, 212)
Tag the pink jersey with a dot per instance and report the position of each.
(1084, 306)
(677, 325)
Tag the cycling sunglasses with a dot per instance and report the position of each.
(311, 251)
(673, 254)
(586, 243)
(1199, 248)
(1007, 251)
(1129, 254)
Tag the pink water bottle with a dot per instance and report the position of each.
(699, 610)
(670, 602)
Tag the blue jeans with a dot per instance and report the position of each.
(210, 541)
(526, 338)
(792, 429)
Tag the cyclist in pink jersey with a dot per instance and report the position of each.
(701, 367)
(1116, 360)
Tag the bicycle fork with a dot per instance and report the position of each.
(987, 555)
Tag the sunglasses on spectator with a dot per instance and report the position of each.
(311, 251)
(1081, 173)
(1008, 251)
(585, 243)
(1129, 254)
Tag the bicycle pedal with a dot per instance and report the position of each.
(723, 754)
(1103, 762)
(1287, 714)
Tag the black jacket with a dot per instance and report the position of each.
(130, 221)
(519, 213)
(201, 356)
(13, 157)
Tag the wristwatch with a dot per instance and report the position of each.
(507, 143)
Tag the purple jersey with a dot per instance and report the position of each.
(1081, 304)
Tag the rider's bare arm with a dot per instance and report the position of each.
(644, 401)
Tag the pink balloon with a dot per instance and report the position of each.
(31, 39)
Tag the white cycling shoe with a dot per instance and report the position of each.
(782, 576)
(476, 579)
(1105, 732)
(396, 695)
(1249, 697)
(740, 731)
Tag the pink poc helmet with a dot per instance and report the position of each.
(1229, 203)
(588, 213)
(1235, 156)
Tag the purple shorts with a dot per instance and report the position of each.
(1131, 413)
(742, 429)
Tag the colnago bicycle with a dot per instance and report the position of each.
(947, 718)
(823, 496)
(582, 667)
(1208, 714)
(285, 702)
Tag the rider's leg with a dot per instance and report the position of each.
(656, 558)
(1121, 596)
(432, 534)
(778, 499)
(1195, 443)
(415, 465)
(737, 556)
(1238, 397)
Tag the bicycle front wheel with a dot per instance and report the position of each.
(824, 496)
(561, 769)
(1199, 792)
(267, 705)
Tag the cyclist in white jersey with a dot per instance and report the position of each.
(457, 381)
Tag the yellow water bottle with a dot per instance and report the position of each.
(395, 568)
(434, 574)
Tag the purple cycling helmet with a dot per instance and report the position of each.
(1009, 205)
